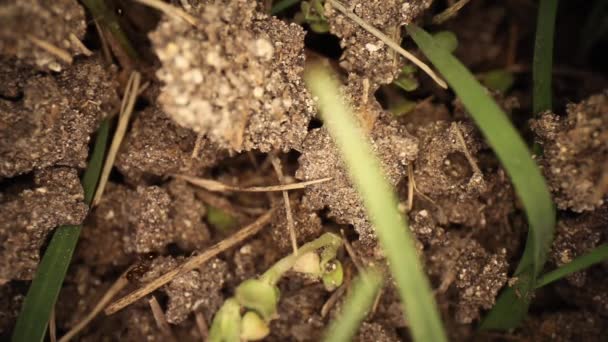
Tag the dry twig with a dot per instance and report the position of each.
(291, 225)
(52, 49)
(212, 185)
(170, 10)
(161, 320)
(449, 12)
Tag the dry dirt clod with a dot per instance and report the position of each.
(364, 54)
(394, 146)
(477, 274)
(376, 332)
(29, 214)
(236, 77)
(575, 153)
(575, 236)
(199, 289)
(156, 147)
(53, 122)
(26, 23)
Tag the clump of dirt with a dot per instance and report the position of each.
(199, 289)
(476, 274)
(573, 148)
(53, 122)
(155, 147)
(395, 147)
(376, 332)
(28, 214)
(365, 55)
(577, 235)
(28, 25)
(567, 326)
(307, 224)
(236, 77)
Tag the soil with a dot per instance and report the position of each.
(226, 98)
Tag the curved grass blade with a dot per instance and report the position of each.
(543, 56)
(597, 255)
(381, 204)
(43, 292)
(515, 157)
(356, 307)
(282, 5)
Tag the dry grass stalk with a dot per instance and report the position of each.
(52, 49)
(201, 325)
(388, 41)
(191, 264)
(291, 225)
(118, 285)
(85, 51)
(215, 186)
(161, 320)
(53, 327)
(449, 12)
(126, 109)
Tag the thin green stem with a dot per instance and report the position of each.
(543, 56)
(584, 261)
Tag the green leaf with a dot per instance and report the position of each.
(511, 307)
(356, 307)
(258, 295)
(381, 204)
(227, 323)
(44, 289)
(511, 150)
(282, 5)
(597, 255)
(253, 327)
(500, 79)
(543, 56)
(447, 39)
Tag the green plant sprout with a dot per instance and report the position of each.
(220, 220)
(258, 298)
(312, 13)
(499, 79)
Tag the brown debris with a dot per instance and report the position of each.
(11, 299)
(365, 55)
(52, 22)
(307, 226)
(376, 332)
(28, 215)
(53, 122)
(575, 153)
(236, 77)
(566, 326)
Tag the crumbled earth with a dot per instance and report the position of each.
(11, 299)
(567, 326)
(53, 122)
(395, 148)
(28, 215)
(255, 64)
(364, 54)
(376, 332)
(199, 289)
(58, 23)
(575, 153)
(307, 226)
(577, 235)
(476, 274)
(155, 147)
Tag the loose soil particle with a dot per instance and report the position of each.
(575, 153)
(50, 21)
(28, 215)
(53, 122)
(236, 77)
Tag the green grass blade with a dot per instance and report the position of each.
(381, 204)
(597, 255)
(43, 292)
(282, 5)
(356, 307)
(543, 56)
(511, 150)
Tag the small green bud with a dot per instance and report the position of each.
(226, 326)
(334, 275)
(253, 327)
(320, 26)
(258, 295)
(447, 39)
(308, 263)
(407, 82)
